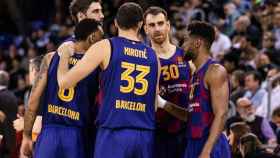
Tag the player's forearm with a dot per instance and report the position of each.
(29, 119)
(171, 108)
(33, 105)
(215, 131)
(176, 111)
(34, 99)
(61, 72)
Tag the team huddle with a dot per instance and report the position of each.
(121, 98)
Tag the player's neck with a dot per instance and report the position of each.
(165, 49)
(80, 47)
(129, 34)
(201, 60)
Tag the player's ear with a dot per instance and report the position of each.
(146, 28)
(81, 16)
(168, 24)
(91, 38)
(198, 43)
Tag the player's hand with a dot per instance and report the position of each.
(204, 155)
(66, 49)
(18, 124)
(26, 146)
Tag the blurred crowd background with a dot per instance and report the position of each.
(247, 44)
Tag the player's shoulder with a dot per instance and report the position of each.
(50, 54)
(102, 44)
(48, 57)
(180, 53)
(216, 67)
(217, 71)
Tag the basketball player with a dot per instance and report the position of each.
(174, 78)
(86, 9)
(129, 78)
(66, 112)
(208, 98)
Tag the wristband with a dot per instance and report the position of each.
(161, 102)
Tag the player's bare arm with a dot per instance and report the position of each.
(177, 111)
(33, 104)
(217, 82)
(173, 109)
(97, 54)
(36, 93)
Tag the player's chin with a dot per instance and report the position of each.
(159, 40)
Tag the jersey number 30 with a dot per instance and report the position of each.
(131, 81)
(68, 96)
(170, 72)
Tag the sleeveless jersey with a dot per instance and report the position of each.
(174, 81)
(128, 86)
(201, 115)
(73, 106)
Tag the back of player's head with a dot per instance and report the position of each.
(77, 6)
(202, 30)
(85, 28)
(155, 11)
(129, 15)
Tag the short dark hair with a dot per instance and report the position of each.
(276, 112)
(85, 28)
(129, 15)
(203, 30)
(155, 11)
(256, 75)
(77, 6)
(36, 62)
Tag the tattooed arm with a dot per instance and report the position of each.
(36, 92)
(33, 103)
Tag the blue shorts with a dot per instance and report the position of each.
(124, 143)
(220, 150)
(170, 145)
(56, 141)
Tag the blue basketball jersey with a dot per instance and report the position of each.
(174, 83)
(201, 115)
(128, 86)
(73, 106)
